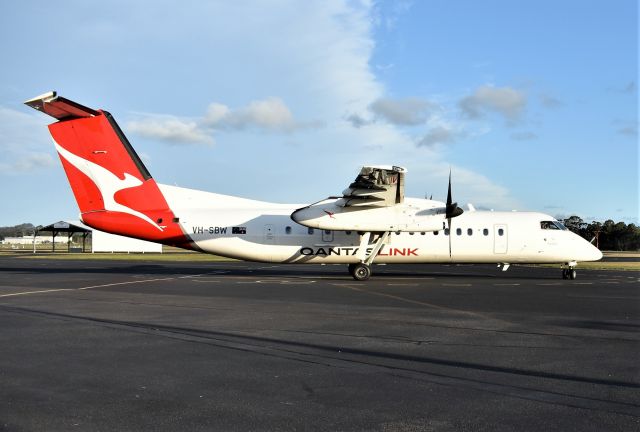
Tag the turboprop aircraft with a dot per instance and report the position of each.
(371, 222)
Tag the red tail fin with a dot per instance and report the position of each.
(112, 187)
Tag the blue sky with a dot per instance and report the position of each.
(532, 104)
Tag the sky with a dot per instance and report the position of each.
(532, 105)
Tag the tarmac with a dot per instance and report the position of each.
(112, 345)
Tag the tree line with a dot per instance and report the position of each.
(25, 229)
(607, 235)
(610, 235)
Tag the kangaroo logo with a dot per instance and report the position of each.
(107, 183)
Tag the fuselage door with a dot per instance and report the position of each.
(500, 239)
(327, 236)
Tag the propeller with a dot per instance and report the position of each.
(452, 210)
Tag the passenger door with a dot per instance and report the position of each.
(500, 239)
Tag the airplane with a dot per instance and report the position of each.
(371, 222)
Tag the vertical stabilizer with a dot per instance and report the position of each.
(114, 190)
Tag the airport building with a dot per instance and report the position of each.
(87, 239)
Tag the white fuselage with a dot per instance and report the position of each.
(260, 231)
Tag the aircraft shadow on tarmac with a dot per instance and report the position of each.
(282, 348)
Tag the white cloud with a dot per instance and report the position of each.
(270, 114)
(506, 101)
(25, 144)
(216, 113)
(27, 162)
(171, 129)
(437, 135)
(403, 112)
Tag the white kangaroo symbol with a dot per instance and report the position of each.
(107, 183)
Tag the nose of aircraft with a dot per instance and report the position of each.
(588, 252)
(595, 253)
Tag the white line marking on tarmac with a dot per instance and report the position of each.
(123, 283)
(453, 284)
(391, 296)
(506, 284)
(93, 286)
(36, 292)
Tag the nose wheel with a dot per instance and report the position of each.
(569, 274)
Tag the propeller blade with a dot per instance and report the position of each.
(452, 210)
(449, 191)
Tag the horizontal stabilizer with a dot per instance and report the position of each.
(59, 107)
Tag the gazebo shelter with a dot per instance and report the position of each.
(65, 227)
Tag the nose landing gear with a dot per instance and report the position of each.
(569, 273)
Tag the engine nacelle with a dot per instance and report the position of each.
(327, 215)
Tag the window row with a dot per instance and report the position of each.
(485, 231)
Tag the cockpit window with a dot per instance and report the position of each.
(560, 225)
(552, 225)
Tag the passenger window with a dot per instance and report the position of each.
(469, 231)
(288, 230)
(310, 231)
(446, 231)
(436, 232)
(485, 232)
(459, 231)
(500, 232)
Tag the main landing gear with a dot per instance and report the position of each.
(362, 271)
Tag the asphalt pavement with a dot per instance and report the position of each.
(110, 345)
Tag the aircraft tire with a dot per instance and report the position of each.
(565, 274)
(572, 274)
(361, 272)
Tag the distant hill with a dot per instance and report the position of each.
(17, 231)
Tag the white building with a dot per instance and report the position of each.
(100, 240)
(28, 240)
